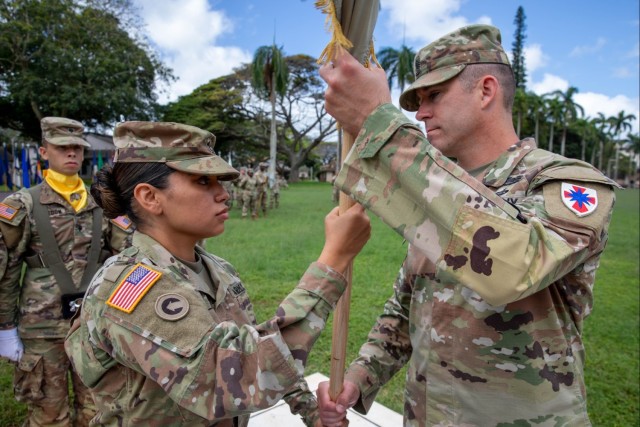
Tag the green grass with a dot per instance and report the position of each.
(272, 253)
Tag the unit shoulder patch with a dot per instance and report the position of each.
(133, 287)
(580, 200)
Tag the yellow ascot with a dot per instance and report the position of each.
(70, 187)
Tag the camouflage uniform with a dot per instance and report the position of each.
(249, 185)
(34, 304)
(489, 304)
(41, 376)
(261, 190)
(143, 368)
(274, 200)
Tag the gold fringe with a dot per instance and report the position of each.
(333, 26)
(337, 36)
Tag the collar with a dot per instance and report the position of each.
(159, 256)
(497, 173)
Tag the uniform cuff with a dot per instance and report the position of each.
(324, 281)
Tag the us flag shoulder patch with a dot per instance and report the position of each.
(7, 211)
(122, 221)
(580, 200)
(132, 288)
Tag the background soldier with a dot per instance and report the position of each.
(274, 199)
(261, 190)
(61, 216)
(249, 185)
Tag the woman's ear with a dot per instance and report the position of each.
(147, 197)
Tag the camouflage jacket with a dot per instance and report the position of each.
(188, 355)
(488, 306)
(249, 185)
(263, 180)
(34, 305)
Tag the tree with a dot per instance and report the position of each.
(269, 76)
(231, 109)
(217, 107)
(619, 124)
(554, 113)
(603, 125)
(75, 59)
(517, 59)
(519, 108)
(398, 64)
(569, 112)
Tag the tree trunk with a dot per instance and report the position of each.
(551, 138)
(273, 141)
(563, 141)
(601, 155)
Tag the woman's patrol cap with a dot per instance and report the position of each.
(181, 147)
(446, 57)
(62, 131)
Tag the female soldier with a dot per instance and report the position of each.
(167, 334)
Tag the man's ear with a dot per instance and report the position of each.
(147, 197)
(42, 150)
(489, 86)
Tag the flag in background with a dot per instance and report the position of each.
(100, 161)
(7, 172)
(17, 176)
(26, 181)
(3, 153)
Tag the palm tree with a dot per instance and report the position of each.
(536, 109)
(603, 125)
(398, 64)
(270, 76)
(519, 108)
(587, 130)
(619, 124)
(570, 111)
(554, 112)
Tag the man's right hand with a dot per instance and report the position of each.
(10, 345)
(334, 414)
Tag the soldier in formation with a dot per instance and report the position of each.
(56, 233)
(249, 186)
(167, 334)
(261, 190)
(489, 305)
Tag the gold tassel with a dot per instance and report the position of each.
(333, 26)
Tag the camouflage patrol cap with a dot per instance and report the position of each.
(446, 57)
(181, 147)
(62, 131)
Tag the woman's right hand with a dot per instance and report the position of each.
(345, 236)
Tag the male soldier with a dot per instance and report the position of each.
(249, 185)
(61, 216)
(261, 191)
(237, 190)
(489, 304)
(274, 199)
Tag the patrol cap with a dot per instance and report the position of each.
(62, 131)
(181, 147)
(446, 57)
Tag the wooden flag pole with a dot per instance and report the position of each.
(341, 314)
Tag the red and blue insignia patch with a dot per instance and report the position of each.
(132, 288)
(580, 200)
(122, 221)
(7, 211)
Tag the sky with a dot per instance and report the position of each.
(592, 45)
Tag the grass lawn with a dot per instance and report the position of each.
(272, 253)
